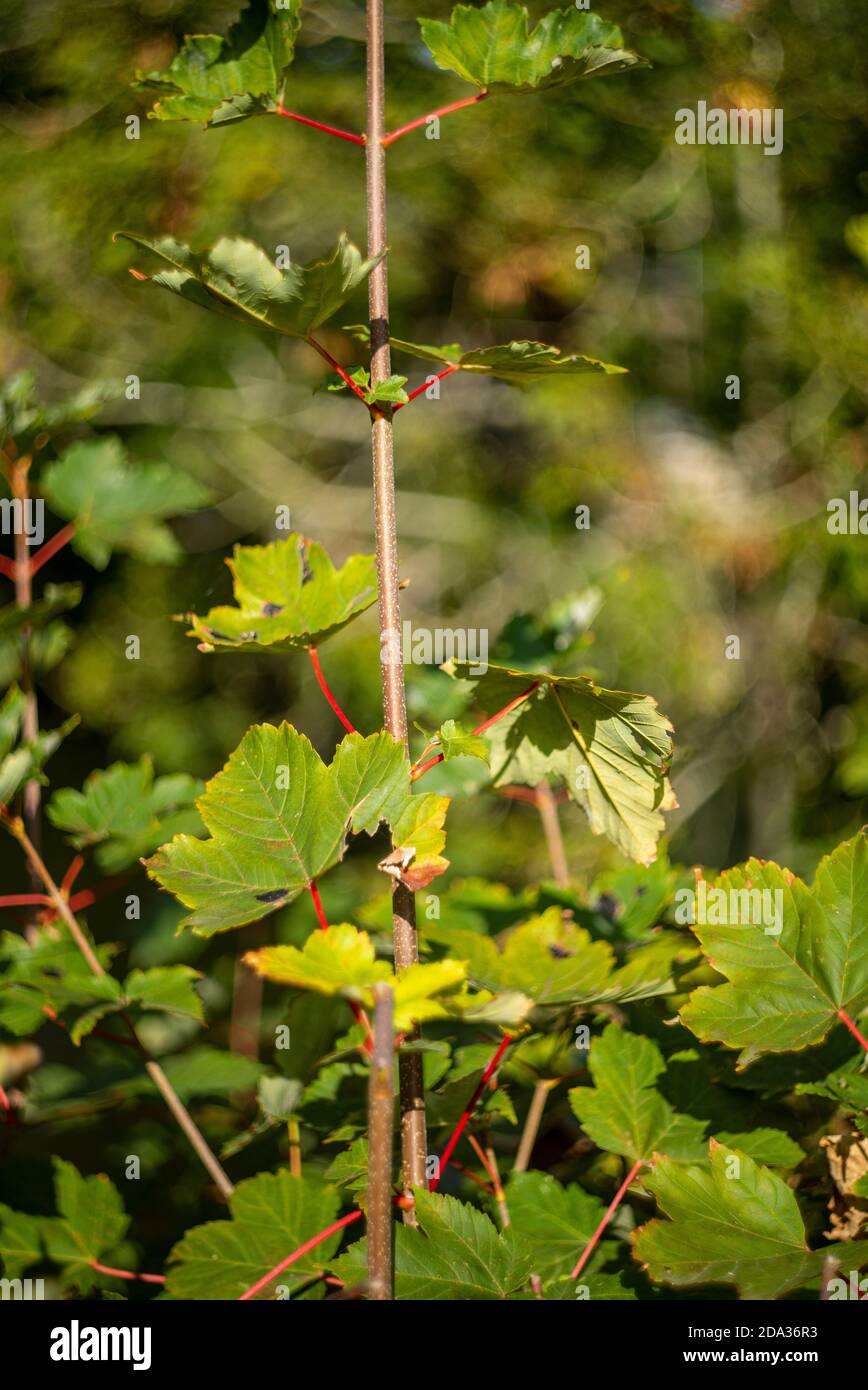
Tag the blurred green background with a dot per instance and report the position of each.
(708, 516)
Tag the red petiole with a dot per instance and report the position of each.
(419, 768)
(394, 135)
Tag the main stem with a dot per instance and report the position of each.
(380, 1130)
(414, 1145)
(23, 598)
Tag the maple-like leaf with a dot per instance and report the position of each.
(288, 597)
(216, 80)
(278, 818)
(238, 279)
(117, 504)
(624, 1112)
(491, 47)
(610, 749)
(22, 762)
(125, 812)
(90, 1224)
(732, 1222)
(455, 1253)
(271, 1215)
(786, 988)
(341, 960)
(519, 362)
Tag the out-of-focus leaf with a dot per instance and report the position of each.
(119, 505)
(23, 417)
(125, 812)
(57, 598)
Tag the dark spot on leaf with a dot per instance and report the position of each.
(272, 896)
(218, 636)
(52, 972)
(607, 906)
(306, 571)
(559, 953)
(641, 890)
(271, 610)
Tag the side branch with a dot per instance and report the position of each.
(394, 135)
(318, 125)
(185, 1120)
(419, 769)
(453, 367)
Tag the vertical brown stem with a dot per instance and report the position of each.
(413, 1135)
(531, 1124)
(380, 1121)
(23, 598)
(548, 814)
(247, 988)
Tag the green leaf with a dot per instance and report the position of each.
(350, 1169)
(25, 764)
(167, 989)
(491, 47)
(769, 1146)
(341, 960)
(288, 597)
(610, 748)
(279, 818)
(271, 1215)
(57, 598)
(215, 80)
(456, 741)
(118, 505)
(551, 961)
(731, 1223)
(125, 812)
(557, 1221)
(623, 1112)
(23, 416)
(208, 1071)
(238, 279)
(519, 362)
(21, 1241)
(92, 1220)
(12, 708)
(456, 1253)
(785, 988)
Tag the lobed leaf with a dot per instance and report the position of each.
(610, 748)
(238, 279)
(216, 80)
(519, 362)
(624, 1112)
(785, 988)
(118, 505)
(491, 47)
(731, 1222)
(278, 818)
(125, 812)
(288, 597)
